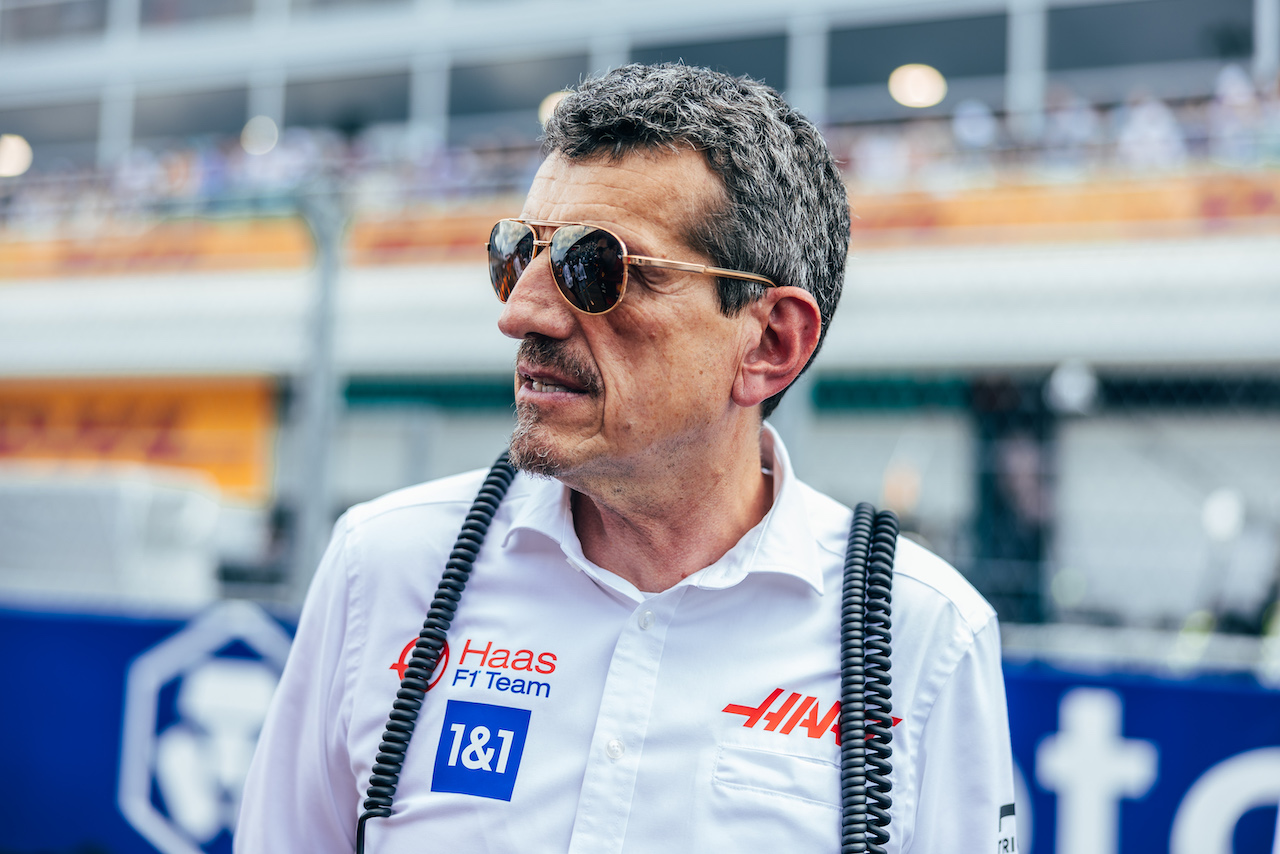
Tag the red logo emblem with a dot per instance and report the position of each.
(403, 663)
(793, 712)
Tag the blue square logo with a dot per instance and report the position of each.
(480, 749)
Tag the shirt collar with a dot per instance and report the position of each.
(781, 543)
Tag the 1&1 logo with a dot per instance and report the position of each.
(194, 705)
(480, 749)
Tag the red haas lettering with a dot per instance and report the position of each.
(793, 712)
(502, 659)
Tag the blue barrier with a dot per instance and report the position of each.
(1118, 762)
(128, 735)
(105, 716)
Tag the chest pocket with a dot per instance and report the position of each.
(779, 776)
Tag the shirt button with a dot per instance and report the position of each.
(646, 620)
(615, 749)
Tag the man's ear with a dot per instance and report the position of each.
(784, 330)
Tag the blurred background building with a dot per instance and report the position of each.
(1057, 357)
(242, 285)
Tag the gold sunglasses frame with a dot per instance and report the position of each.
(627, 261)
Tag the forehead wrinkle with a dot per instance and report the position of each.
(703, 195)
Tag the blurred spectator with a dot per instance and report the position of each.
(932, 159)
(1149, 138)
(136, 182)
(974, 126)
(1269, 125)
(916, 155)
(1234, 119)
(1073, 134)
(881, 160)
(392, 168)
(977, 133)
(298, 155)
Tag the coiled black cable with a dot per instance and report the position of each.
(866, 708)
(865, 694)
(426, 651)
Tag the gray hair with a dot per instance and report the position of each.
(786, 211)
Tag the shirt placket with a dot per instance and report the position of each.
(604, 805)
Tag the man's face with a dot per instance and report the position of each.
(648, 383)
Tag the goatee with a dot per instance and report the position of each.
(528, 451)
(531, 450)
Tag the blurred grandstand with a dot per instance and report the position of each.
(242, 287)
(392, 170)
(1063, 276)
(1067, 475)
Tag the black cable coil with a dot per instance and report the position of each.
(426, 651)
(866, 708)
(865, 695)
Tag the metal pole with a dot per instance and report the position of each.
(1266, 43)
(807, 66)
(318, 398)
(1025, 76)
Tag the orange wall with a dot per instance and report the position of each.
(1172, 206)
(223, 428)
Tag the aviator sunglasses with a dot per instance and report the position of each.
(588, 263)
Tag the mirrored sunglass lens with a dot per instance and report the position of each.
(510, 251)
(588, 266)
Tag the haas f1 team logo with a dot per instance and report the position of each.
(489, 667)
(796, 714)
(402, 663)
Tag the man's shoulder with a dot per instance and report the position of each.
(934, 576)
(445, 492)
(421, 521)
(919, 574)
(444, 498)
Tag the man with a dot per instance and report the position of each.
(646, 656)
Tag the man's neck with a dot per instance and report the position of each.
(661, 529)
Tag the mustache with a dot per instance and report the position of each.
(543, 352)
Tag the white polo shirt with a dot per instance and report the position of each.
(576, 713)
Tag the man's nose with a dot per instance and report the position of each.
(535, 305)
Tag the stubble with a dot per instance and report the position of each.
(532, 447)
